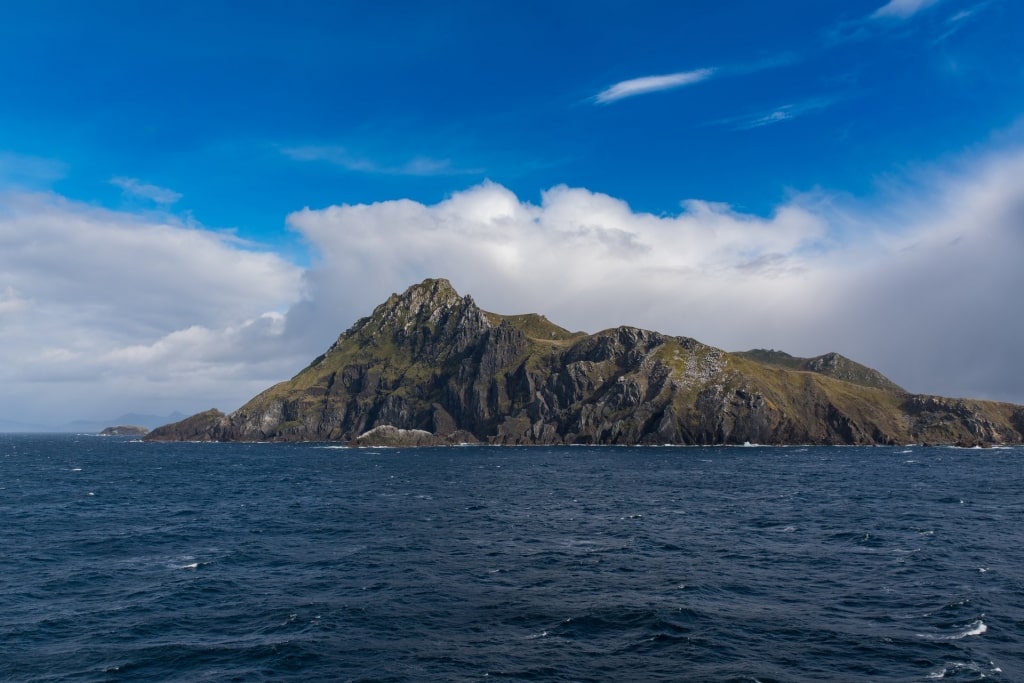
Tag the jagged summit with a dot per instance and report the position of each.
(428, 366)
(422, 304)
(430, 320)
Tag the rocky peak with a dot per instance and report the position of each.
(425, 303)
(429, 318)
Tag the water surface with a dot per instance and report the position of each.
(130, 561)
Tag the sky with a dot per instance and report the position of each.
(196, 198)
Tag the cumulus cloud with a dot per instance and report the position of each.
(901, 9)
(154, 193)
(585, 259)
(905, 288)
(649, 84)
(105, 312)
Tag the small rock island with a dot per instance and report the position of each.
(124, 430)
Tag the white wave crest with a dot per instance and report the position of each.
(975, 628)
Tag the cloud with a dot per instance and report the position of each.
(957, 21)
(339, 156)
(29, 171)
(929, 276)
(585, 259)
(649, 84)
(901, 9)
(137, 188)
(12, 302)
(785, 112)
(105, 312)
(891, 18)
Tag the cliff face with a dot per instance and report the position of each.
(430, 367)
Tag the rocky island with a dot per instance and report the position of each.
(124, 430)
(429, 367)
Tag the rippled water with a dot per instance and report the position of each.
(122, 561)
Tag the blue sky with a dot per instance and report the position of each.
(265, 172)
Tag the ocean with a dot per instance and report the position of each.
(129, 561)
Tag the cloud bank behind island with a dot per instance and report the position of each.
(136, 313)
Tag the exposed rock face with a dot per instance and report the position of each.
(429, 367)
(386, 435)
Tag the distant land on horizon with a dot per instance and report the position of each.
(430, 367)
(91, 426)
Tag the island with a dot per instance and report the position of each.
(429, 367)
(124, 430)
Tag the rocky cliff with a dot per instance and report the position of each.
(430, 367)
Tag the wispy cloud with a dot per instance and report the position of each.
(340, 156)
(959, 20)
(154, 193)
(890, 17)
(786, 112)
(901, 9)
(649, 84)
(25, 170)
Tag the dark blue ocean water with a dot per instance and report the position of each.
(129, 561)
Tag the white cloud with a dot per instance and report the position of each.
(649, 84)
(105, 312)
(137, 188)
(901, 9)
(584, 259)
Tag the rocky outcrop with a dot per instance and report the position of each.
(387, 435)
(429, 367)
(124, 430)
(211, 425)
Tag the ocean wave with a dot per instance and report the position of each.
(957, 669)
(975, 628)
